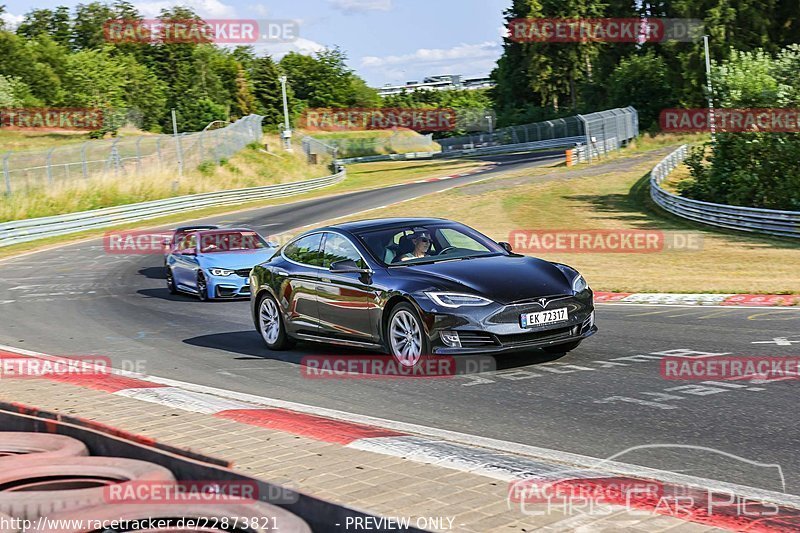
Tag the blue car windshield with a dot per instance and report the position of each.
(231, 241)
(408, 245)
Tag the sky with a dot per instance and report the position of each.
(386, 41)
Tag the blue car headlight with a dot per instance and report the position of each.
(223, 272)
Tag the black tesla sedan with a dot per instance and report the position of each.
(414, 287)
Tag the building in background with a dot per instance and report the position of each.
(445, 82)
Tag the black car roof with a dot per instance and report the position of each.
(382, 223)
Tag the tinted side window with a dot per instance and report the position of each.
(305, 250)
(338, 248)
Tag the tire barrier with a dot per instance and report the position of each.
(293, 510)
(51, 481)
(44, 446)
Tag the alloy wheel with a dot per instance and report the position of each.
(406, 338)
(270, 321)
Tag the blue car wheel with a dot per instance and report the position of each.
(171, 282)
(202, 287)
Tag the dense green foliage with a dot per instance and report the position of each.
(540, 80)
(752, 168)
(59, 58)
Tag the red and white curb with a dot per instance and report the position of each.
(748, 300)
(501, 460)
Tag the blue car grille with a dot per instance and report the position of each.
(243, 272)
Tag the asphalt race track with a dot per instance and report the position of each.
(600, 400)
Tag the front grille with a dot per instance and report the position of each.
(538, 336)
(474, 339)
(510, 313)
(243, 272)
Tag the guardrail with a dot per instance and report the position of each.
(563, 142)
(20, 231)
(756, 220)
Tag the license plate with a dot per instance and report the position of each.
(544, 317)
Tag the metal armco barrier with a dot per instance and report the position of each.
(20, 231)
(755, 220)
(502, 149)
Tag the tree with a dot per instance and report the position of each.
(753, 168)
(542, 74)
(325, 80)
(244, 102)
(267, 90)
(642, 81)
(8, 96)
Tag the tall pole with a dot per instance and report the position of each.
(178, 150)
(711, 118)
(287, 129)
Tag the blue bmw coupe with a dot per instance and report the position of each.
(216, 264)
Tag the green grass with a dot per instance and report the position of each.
(360, 177)
(249, 168)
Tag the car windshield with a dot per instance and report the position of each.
(427, 243)
(231, 241)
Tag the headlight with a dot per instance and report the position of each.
(579, 284)
(454, 299)
(220, 272)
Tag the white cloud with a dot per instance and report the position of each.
(205, 8)
(361, 6)
(278, 50)
(259, 9)
(11, 20)
(465, 59)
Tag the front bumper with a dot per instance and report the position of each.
(229, 287)
(496, 328)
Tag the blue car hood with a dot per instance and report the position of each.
(236, 260)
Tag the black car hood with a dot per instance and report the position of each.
(503, 279)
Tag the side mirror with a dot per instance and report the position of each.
(347, 265)
(505, 246)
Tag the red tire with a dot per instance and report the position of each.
(32, 487)
(43, 445)
(264, 516)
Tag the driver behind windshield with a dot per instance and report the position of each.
(422, 243)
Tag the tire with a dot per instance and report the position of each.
(40, 487)
(264, 515)
(17, 444)
(271, 326)
(405, 335)
(202, 287)
(171, 281)
(562, 348)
